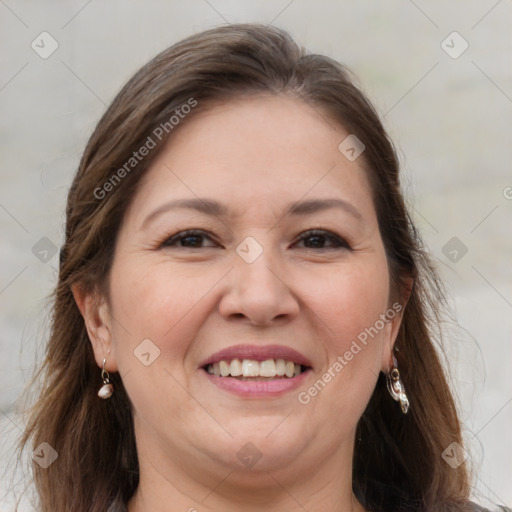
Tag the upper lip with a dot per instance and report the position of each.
(257, 353)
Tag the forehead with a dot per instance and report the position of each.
(265, 150)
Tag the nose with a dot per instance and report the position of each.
(257, 292)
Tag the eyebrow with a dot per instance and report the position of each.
(216, 209)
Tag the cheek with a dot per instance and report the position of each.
(160, 302)
(157, 310)
(349, 309)
(351, 299)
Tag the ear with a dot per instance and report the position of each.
(94, 309)
(395, 314)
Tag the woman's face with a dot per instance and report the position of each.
(252, 240)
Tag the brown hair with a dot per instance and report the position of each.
(397, 460)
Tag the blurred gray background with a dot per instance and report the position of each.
(440, 74)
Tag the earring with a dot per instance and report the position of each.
(107, 389)
(396, 387)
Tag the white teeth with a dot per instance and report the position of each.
(290, 369)
(268, 368)
(235, 368)
(280, 367)
(252, 368)
(224, 368)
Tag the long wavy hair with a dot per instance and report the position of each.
(397, 458)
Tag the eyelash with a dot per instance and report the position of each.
(340, 242)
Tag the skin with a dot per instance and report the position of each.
(255, 156)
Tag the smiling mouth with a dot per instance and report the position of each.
(252, 370)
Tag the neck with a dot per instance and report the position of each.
(328, 488)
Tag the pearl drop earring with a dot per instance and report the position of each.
(107, 389)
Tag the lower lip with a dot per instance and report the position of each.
(258, 388)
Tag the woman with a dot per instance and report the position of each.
(245, 318)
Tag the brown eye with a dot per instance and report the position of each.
(191, 239)
(320, 239)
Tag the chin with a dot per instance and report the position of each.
(260, 444)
